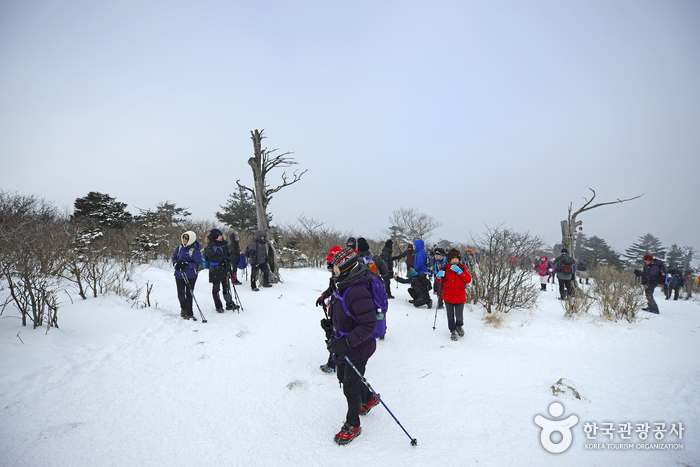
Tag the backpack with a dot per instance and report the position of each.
(372, 266)
(567, 268)
(661, 278)
(381, 303)
(191, 252)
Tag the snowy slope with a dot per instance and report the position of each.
(119, 386)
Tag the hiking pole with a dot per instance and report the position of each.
(187, 283)
(235, 292)
(414, 441)
(435, 322)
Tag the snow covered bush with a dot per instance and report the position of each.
(503, 286)
(577, 305)
(617, 294)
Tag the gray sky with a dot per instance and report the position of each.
(474, 112)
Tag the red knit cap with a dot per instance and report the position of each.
(331, 253)
(648, 258)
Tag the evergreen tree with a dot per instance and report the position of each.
(647, 244)
(675, 258)
(171, 214)
(97, 210)
(596, 251)
(240, 213)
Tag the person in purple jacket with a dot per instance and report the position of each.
(351, 336)
(650, 277)
(186, 258)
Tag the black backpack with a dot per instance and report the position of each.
(661, 278)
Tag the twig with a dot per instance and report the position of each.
(20, 339)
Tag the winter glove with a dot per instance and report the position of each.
(327, 325)
(181, 265)
(440, 274)
(456, 269)
(338, 346)
(637, 272)
(321, 299)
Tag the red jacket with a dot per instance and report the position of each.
(454, 285)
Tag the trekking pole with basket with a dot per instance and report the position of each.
(414, 441)
(187, 283)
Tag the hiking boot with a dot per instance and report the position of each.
(267, 286)
(411, 301)
(364, 410)
(347, 434)
(255, 289)
(327, 368)
(460, 331)
(183, 314)
(237, 282)
(381, 338)
(219, 310)
(430, 304)
(440, 306)
(453, 335)
(230, 306)
(390, 296)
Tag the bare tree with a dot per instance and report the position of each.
(409, 224)
(500, 284)
(262, 162)
(570, 225)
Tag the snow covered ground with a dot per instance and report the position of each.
(120, 386)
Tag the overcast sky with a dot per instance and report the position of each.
(475, 112)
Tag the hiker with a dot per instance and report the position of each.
(675, 283)
(186, 259)
(438, 262)
(543, 272)
(256, 252)
(419, 289)
(217, 255)
(380, 269)
(653, 271)
(351, 337)
(454, 279)
(388, 259)
(327, 322)
(564, 267)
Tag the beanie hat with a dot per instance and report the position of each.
(345, 259)
(331, 253)
(453, 253)
(389, 243)
(648, 257)
(564, 251)
(439, 251)
(215, 233)
(362, 244)
(351, 241)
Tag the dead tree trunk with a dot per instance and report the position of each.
(262, 162)
(570, 224)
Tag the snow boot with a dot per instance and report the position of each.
(347, 433)
(453, 335)
(364, 410)
(327, 368)
(460, 331)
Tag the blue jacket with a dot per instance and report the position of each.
(182, 253)
(420, 258)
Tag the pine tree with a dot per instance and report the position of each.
(97, 210)
(240, 213)
(647, 244)
(596, 251)
(675, 258)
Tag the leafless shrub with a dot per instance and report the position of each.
(617, 294)
(307, 242)
(496, 319)
(577, 305)
(500, 285)
(33, 246)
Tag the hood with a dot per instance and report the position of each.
(259, 234)
(420, 244)
(233, 235)
(192, 235)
